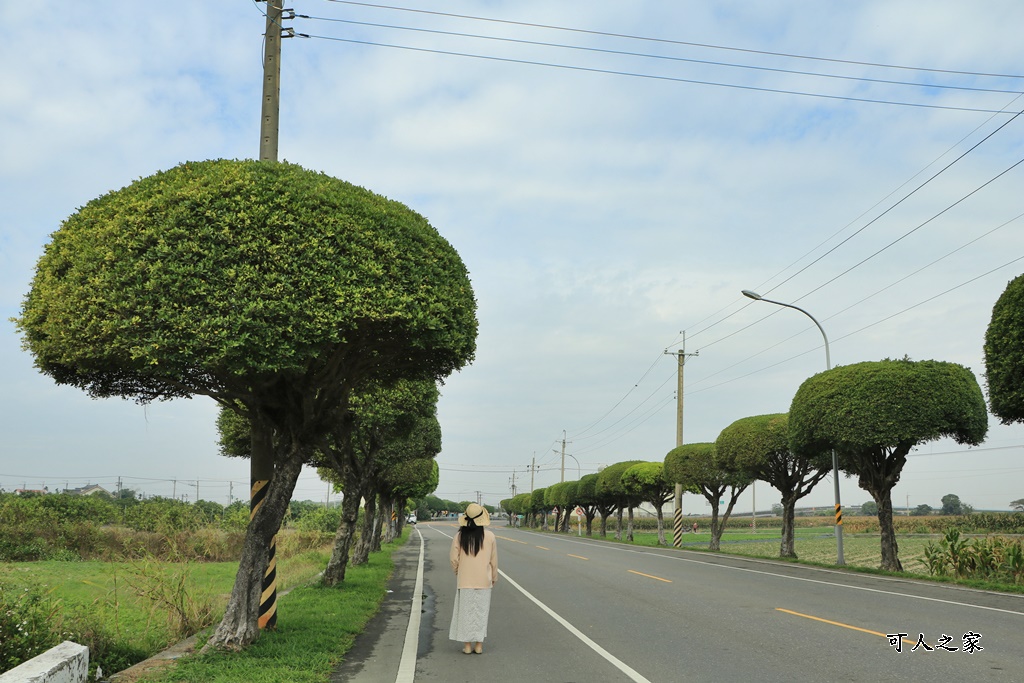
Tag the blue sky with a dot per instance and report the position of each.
(600, 214)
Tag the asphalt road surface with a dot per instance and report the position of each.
(568, 609)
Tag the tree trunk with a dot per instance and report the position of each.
(361, 553)
(240, 628)
(604, 525)
(788, 546)
(335, 572)
(618, 523)
(890, 549)
(661, 527)
(383, 517)
(395, 528)
(590, 514)
(716, 532)
(629, 525)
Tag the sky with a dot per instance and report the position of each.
(613, 174)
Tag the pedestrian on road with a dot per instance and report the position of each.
(474, 558)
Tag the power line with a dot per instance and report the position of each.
(644, 55)
(655, 77)
(674, 42)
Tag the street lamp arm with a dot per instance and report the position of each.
(757, 297)
(828, 358)
(835, 461)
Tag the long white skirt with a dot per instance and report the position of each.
(469, 620)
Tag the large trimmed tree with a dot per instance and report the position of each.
(271, 289)
(873, 413)
(697, 467)
(647, 481)
(1004, 354)
(587, 498)
(611, 487)
(760, 445)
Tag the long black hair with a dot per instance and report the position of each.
(471, 537)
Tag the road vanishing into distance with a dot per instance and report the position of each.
(570, 609)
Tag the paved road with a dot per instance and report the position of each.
(570, 609)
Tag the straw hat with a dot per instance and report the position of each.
(477, 513)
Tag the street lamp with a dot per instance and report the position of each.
(579, 472)
(835, 461)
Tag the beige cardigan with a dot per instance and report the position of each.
(476, 571)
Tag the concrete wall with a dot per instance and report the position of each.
(66, 663)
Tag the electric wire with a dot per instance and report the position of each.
(689, 60)
(865, 226)
(655, 77)
(673, 42)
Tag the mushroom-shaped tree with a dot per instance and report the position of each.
(873, 413)
(760, 445)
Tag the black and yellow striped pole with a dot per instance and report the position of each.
(268, 595)
(261, 470)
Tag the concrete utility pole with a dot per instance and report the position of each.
(261, 459)
(269, 121)
(533, 468)
(563, 456)
(677, 525)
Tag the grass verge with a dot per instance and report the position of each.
(316, 626)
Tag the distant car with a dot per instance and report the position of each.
(411, 519)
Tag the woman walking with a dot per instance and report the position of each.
(474, 558)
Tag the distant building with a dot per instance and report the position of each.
(25, 492)
(89, 490)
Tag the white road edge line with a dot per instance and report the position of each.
(407, 667)
(909, 596)
(617, 663)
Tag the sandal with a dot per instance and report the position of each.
(468, 649)
(479, 648)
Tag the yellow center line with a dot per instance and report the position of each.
(656, 578)
(512, 540)
(837, 623)
(578, 557)
(541, 547)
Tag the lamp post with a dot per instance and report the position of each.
(579, 472)
(835, 461)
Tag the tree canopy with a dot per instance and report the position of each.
(698, 467)
(760, 446)
(647, 481)
(874, 412)
(1004, 354)
(245, 281)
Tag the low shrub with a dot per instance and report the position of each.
(26, 617)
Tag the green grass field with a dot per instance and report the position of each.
(101, 601)
(813, 544)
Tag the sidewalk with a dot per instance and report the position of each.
(377, 651)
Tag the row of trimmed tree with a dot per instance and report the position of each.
(871, 414)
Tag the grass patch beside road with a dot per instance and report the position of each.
(316, 626)
(99, 604)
